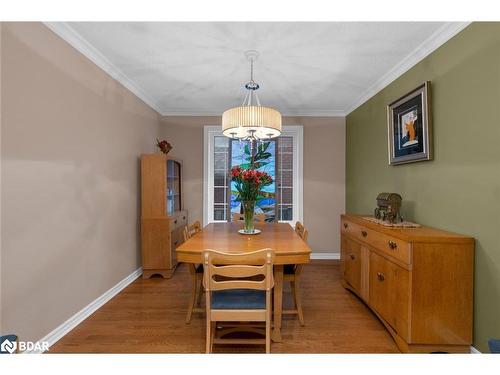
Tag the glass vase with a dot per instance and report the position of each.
(248, 211)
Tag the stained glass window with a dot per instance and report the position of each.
(241, 154)
(274, 157)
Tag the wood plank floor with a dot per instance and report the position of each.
(148, 317)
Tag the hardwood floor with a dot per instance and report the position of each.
(149, 317)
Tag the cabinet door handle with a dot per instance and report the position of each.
(364, 233)
(380, 276)
(175, 221)
(184, 218)
(345, 225)
(176, 242)
(352, 256)
(393, 244)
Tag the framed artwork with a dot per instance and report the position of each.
(409, 127)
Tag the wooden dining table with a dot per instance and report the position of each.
(288, 247)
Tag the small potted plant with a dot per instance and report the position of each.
(163, 145)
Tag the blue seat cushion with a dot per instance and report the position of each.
(289, 269)
(238, 299)
(494, 346)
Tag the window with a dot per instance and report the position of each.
(221, 178)
(282, 201)
(285, 178)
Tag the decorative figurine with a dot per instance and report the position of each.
(388, 205)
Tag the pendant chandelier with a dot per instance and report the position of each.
(251, 121)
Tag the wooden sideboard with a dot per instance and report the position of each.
(418, 281)
(162, 214)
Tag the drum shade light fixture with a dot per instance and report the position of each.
(251, 121)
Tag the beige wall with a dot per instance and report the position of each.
(71, 136)
(324, 170)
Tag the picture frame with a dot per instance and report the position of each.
(410, 127)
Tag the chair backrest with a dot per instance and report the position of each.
(190, 230)
(301, 231)
(257, 217)
(253, 270)
(305, 234)
(299, 228)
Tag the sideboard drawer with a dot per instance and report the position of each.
(352, 229)
(394, 247)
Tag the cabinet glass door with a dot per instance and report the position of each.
(173, 186)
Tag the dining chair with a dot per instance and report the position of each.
(299, 228)
(196, 271)
(238, 289)
(292, 273)
(235, 217)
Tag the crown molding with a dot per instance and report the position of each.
(315, 113)
(297, 113)
(71, 36)
(436, 40)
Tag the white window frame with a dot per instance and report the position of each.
(211, 131)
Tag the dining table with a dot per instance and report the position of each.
(288, 248)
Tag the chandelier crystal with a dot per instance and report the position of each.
(251, 121)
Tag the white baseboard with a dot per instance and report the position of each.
(474, 350)
(325, 256)
(84, 313)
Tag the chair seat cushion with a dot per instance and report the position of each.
(289, 269)
(238, 299)
(494, 346)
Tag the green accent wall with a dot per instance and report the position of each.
(460, 189)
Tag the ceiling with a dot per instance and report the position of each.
(309, 69)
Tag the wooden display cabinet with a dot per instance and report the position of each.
(162, 214)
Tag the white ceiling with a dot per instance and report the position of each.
(322, 69)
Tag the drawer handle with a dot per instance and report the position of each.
(345, 225)
(176, 242)
(393, 245)
(380, 276)
(352, 256)
(175, 221)
(184, 218)
(363, 232)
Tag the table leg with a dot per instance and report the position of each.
(278, 302)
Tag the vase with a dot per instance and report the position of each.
(248, 211)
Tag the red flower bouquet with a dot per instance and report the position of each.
(249, 183)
